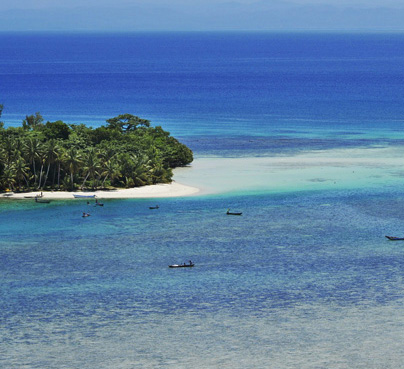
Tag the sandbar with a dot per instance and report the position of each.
(312, 170)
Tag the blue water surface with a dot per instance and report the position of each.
(70, 283)
(303, 279)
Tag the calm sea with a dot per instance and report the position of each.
(303, 279)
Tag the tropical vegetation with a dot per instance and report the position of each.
(126, 152)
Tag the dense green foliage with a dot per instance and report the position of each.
(127, 152)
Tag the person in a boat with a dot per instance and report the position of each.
(190, 262)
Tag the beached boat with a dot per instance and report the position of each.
(190, 265)
(391, 238)
(83, 196)
(233, 213)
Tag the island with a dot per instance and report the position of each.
(125, 153)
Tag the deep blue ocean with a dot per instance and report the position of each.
(303, 279)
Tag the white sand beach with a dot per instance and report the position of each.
(173, 189)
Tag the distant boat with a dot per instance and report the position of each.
(391, 238)
(190, 265)
(232, 213)
(85, 215)
(154, 207)
(83, 196)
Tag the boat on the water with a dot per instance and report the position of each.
(184, 265)
(233, 213)
(391, 238)
(85, 215)
(154, 207)
(83, 196)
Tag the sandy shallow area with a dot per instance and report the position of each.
(328, 169)
(173, 189)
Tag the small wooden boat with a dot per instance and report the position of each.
(391, 238)
(154, 207)
(190, 265)
(83, 196)
(232, 213)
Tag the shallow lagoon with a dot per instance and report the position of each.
(333, 169)
(300, 280)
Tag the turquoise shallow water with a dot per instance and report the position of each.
(301, 280)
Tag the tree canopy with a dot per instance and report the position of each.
(127, 152)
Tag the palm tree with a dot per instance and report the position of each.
(21, 171)
(107, 153)
(72, 161)
(91, 165)
(8, 176)
(140, 170)
(160, 174)
(111, 170)
(51, 153)
(8, 145)
(60, 156)
(32, 149)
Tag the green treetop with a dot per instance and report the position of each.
(126, 152)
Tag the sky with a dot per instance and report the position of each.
(202, 15)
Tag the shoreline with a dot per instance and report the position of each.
(173, 189)
(312, 170)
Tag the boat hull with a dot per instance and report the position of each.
(391, 238)
(181, 266)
